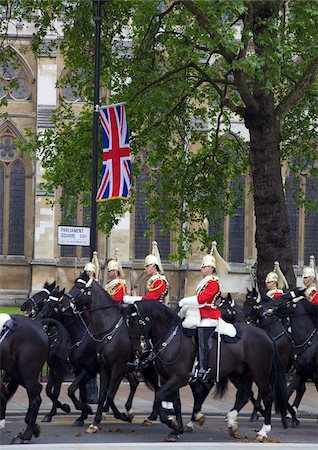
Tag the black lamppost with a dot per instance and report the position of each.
(97, 19)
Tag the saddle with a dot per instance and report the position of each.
(192, 332)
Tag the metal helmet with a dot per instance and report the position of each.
(90, 267)
(271, 276)
(309, 272)
(154, 257)
(208, 261)
(112, 265)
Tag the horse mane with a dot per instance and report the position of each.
(158, 311)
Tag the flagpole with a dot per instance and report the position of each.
(97, 19)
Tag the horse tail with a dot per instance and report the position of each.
(279, 386)
(59, 348)
(221, 387)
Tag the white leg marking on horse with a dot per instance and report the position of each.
(190, 425)
(2, 423)
(262, 434)
(232, 418)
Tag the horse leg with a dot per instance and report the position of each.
(115, 380)
(104, 381)
(33, 388)
(53, 389)
(80, 382)
(174, 435)
(242, 397)
(257, 406)
(133, 383)
(8, 390)
(298, 384)
(200, 392)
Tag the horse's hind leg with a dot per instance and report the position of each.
(200, 392)
(8, 388)
(33, 389)
(243, 395)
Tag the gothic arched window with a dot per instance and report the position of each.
(14, 80)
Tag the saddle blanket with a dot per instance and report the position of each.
(3, 319)
(192, 319)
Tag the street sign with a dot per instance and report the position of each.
(73, 235)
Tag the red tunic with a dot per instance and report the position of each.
(274, 293)
(158, 287)
(312, 294)
(117, 289)
(207, 291)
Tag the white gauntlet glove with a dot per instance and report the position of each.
(190, 301)
(130, 299)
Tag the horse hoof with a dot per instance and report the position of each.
(147, 423)
(153, 417)
(78, 423)
(36, 430)
(261, 438)
(130, 414)
(295, 423)
(232, 430)
(172, 437)
(92, 429)
(188, 429)
(66, 408)
(46, 419)
(200, 421)
(18, 440)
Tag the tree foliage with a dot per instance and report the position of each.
(186, 70)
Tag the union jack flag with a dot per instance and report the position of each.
(116, 173)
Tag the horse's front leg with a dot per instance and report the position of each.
(200, 392)
(53, 388)
(133, 384)
(116, 377)
(104, 381)
(80, 382)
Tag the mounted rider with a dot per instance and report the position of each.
(157, 284)
(116, 286)
(310, 281)
(158, 287)
(204, 302)
(275, 282)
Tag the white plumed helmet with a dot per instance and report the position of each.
(90, 267)
(114, 264)
(271, 276)
(309, 272)
(215, 260)
(277, 276)
(154, 257)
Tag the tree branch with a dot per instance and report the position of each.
(298, 91)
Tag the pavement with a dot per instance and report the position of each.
(143, 401)
(142, 406)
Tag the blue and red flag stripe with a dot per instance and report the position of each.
(115, 181)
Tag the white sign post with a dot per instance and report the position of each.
(73, 235)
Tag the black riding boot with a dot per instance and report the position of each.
(141, 352)
(204, 348)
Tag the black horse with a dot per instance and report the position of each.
(82, 353)
(112, 341)
(23, 351)
(59, 342)
(33, 305)
(254, 307)
(242, 362)
(303, 322)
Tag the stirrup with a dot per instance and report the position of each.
(134, 365)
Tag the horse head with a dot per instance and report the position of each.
(51, 308)
(35, 303)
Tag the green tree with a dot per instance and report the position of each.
(186, 69)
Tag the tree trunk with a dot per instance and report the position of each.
(272, 236)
